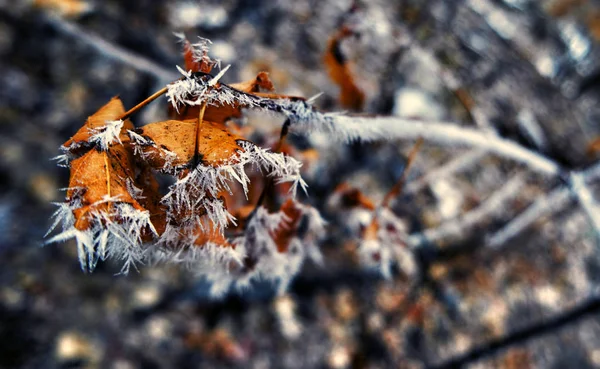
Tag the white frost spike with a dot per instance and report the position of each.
(271, 264)
(188, 195)
(106, 135)
(105, 237)
(186, 74)
(216, 78)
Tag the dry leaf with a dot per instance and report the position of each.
(172, 143)
(98, 179)
(261, 82)
(65, 8)
(351, 197)
(340, 72)
(594, 147)
(288, 228)
(112, 111)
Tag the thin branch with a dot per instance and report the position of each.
(397, 189)
(458, 164)
(546, 205)
(493, 205)
(591, 306)
(586, 200)
(443, 133)
(112, 51)
(147, 101)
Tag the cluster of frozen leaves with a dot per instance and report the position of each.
(115, 207)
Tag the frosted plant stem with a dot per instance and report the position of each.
(112, 51)
(456, 227)
(586, 200)
(443, 133)
(546, 205)
(459, 163)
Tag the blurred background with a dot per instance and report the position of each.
(506, 261)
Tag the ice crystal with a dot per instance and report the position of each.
(106, 135)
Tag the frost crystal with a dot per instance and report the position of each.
(106, 135)
(105, 237)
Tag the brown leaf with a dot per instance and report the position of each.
(289, 227)
(261, 82)
(216, 144)
(99, 175)
(113, 110)
(594, 147)
(352, 197)
(190, 61)
(340, 72)
(210, 234)
(65, 8)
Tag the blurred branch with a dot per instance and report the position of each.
(586, 200)
(550, 204)
(591, 306)
(442, 133)
(458, 164)
(112, 51)
(493, 205)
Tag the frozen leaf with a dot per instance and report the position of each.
(98, 176)
(100, 122)
(262, 82)
(172, 143)
(288, 227)
(222, 101)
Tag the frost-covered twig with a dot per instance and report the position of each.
(586, 200)
(493, 205)
(459, 163)
(112, 51)
(443, 133)
(546, 205)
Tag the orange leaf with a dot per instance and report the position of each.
(216, 144)
(594, 146)
(340, 72)
(98, 176)
(113, 110)
(289, 227)
(192, 62)
(352, 197)
(261, 82)
(65, 8)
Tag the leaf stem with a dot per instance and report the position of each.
(147, 101)
(197, 159)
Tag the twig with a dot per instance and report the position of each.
(458, 164)
(483, 212)
(397, 189)
(112, 51)
(443, 133)
(586, 200)
(544, 206)
(591, 306)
